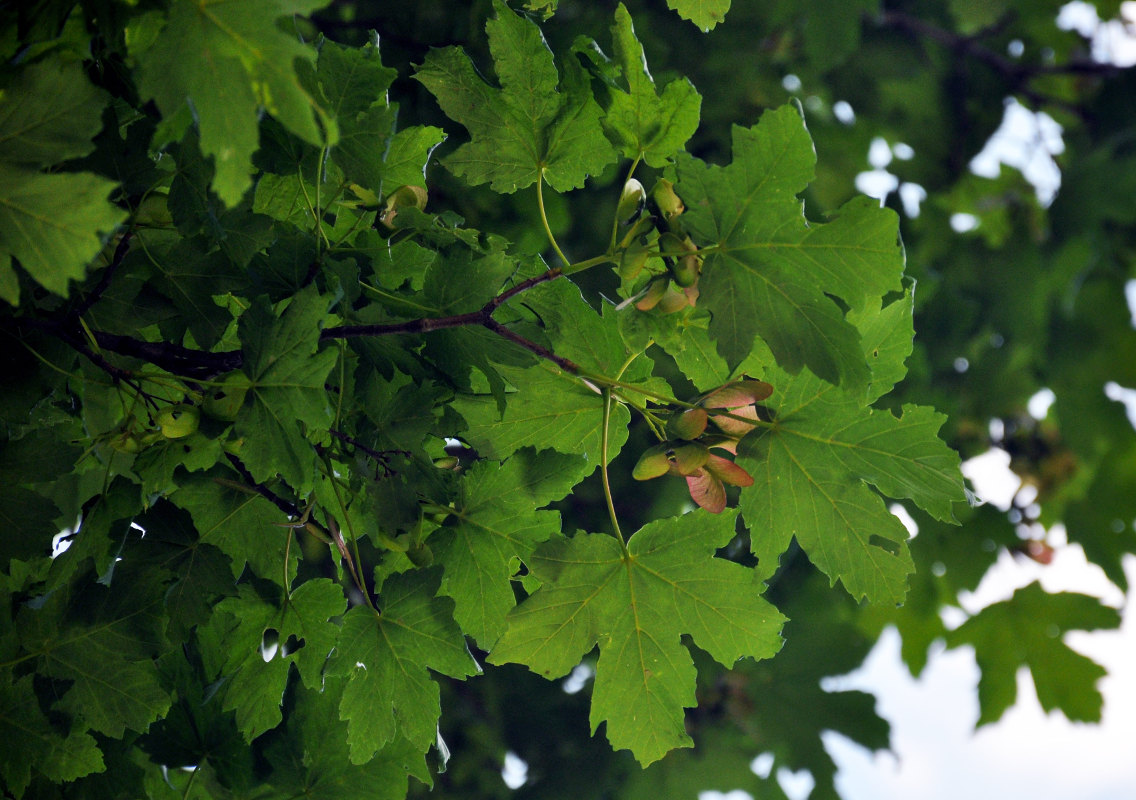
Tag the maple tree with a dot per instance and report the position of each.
(322, 458)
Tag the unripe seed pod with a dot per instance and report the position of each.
(690, 424)
(656, 290)
(674, 299)
(665, 198)
(631, 201)
(178, 421)
(632, 261)
(402, 197)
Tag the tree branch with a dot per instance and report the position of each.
(1018, 74)
(201, 364)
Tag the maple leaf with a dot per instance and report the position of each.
(703, 13)
(31, 742)
(1026, 631)
(312, 759)
(494, 522)
(57, 114)
(286, 389)
(103, 638)
(636, 604)
(256, 686)
(811, 471)
(369, 149)
(536, 126)
(386, 655)
(641, 122)
(227, 61)
(767, 271)
(53, 225)
(549, 409)
(242, 525)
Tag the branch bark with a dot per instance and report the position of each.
(201, 364)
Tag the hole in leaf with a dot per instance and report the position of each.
(269, 644)
(884, 544)
(291, 646)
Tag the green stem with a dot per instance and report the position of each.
(355, 568)
(544, 220)
(189, 783)
(603, 469)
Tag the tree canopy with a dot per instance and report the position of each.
(389, 387)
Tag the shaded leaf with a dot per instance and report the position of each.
(494, 522)
(390, 694)
(527, 130)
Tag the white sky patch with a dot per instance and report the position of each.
(736, 794)
(908, 521)
(1028, 141)
(963, 223)
(1038, 405)
(994, 482)
(843, 112)
(791, 83)
(912, 196)
(1121, 394)
(879, 153)
(577, 679)
(515, 772)
(938, 755)
(878, 183)
(1112, 41)
(1130, 296)
(796, 785)
(762, 765)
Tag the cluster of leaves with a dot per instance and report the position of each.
(314, 442)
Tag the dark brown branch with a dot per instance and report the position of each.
(202, 365)
(532, 347)
(380, 456)
(286, 506)
(172, 357)
(120, 252)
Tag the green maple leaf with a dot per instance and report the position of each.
(286, 389)
(538, 125)
(352, 78)
(594, 342)
(228, 61)
(494, 522)
(48, 113)
(103, 639)
(1026, 630)
(703, 13)
(242, 525)
(156, 464)
(549, 409)
(641, 122)
(32, 742)
(636, 604)
(887, 335)
(255, 688)
(811, 469)
(53, 225)
(771, 272)
(390, 694)
(312, 759)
